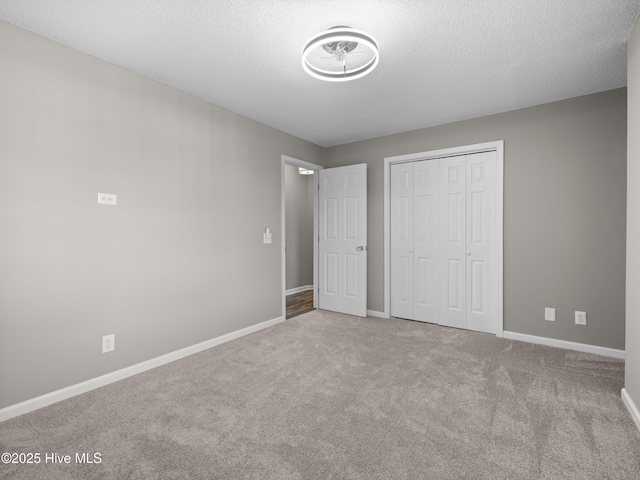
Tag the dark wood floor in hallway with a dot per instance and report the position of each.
(299, 303)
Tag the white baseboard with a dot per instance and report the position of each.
(631, 406)
(73, 390)
(552, 342)
(304, 288)
(375, 313)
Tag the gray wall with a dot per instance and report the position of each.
(564, 210)
(172, 265)
(632, 354)
(298, 227)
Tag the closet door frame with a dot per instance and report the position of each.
(498, 147)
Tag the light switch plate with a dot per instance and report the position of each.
(107, 199)
(550, 314)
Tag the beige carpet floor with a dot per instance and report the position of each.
(328, 396)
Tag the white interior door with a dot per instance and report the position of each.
(342, 269)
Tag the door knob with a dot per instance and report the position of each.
(361, 248)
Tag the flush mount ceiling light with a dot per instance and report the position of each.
(340, 54)
(304, 171)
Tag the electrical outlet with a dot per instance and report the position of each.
(550, 314)
(108, 343)
(581, 318)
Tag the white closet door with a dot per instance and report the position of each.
(425, 244)
(452, 258)
(402, 290)
(443, 241)
(481, 283)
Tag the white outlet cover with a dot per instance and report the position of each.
(581, 318)
(108, 343)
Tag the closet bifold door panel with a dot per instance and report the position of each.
(482, 258)
(425, 241)
(443, 241)
(414, 241)
(452, 243)
(402, 240)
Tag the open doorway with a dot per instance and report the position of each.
(299, 229)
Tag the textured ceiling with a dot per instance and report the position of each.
(440, 60)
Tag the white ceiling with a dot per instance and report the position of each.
(440, 60)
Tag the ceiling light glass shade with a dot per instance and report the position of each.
(340, 54)
(304, 171)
